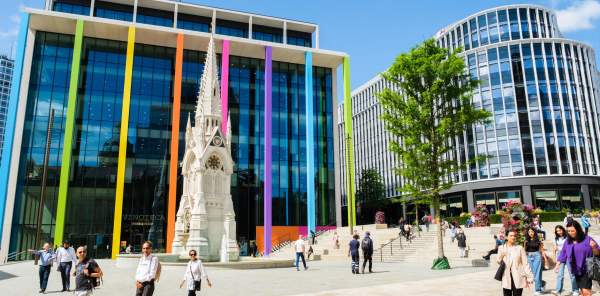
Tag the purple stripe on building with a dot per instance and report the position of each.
(268, 219)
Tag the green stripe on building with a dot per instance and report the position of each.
(65, 168)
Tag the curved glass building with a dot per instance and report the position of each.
(543, 92)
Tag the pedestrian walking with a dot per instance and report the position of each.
(253, 248)
(147, 271)
(537, 225)
(452, 231)
(461, 238)
(407, 230)
(66, 259)
(46, 258)
(300, 249)
(444, 227)
(367, 249)
(310, 252)
(87, 273)
(313, 237)
(517, 273)
(401, 223)
(194, 274)
(578, 247)
(353, 247)
(535, 253)
(336, 240)
(426, 220)
(585, 223)
(560, 237)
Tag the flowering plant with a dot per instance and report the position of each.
(481, 216)
(380, 217)
(516, 215)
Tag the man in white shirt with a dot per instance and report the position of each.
(65, 257)
(145, 274)
(300, 248)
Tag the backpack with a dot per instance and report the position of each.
(367, 245)
(91, 266)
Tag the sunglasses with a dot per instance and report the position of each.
(81, 252)
(192, 254)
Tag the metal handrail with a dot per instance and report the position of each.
(391, 244)
(14, 255)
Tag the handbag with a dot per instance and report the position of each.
(592, 265)
(197, 283)
(500, 271)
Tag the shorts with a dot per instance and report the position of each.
(583, 282)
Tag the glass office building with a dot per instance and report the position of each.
(6, 73)
(103, 86)
(543, 92)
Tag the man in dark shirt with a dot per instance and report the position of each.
(367, 248)
(354, 245)
(87, 273)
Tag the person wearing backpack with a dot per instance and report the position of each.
(87, 273)
(367, 248)
(194, 274)
(148, 271)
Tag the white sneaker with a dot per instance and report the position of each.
(537, 293)
(575, 294)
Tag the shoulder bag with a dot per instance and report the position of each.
(197, 283)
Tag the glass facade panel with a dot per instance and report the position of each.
(81, 7)
(267, 33)
(231, 28)
(113, 11)
(48, 89)
(507, 196)
(453, 206)
(486, 199)
(571, 199)
(193, 22)
(154, 17)
(547, 200)
(299, 38)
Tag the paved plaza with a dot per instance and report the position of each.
(322, 278)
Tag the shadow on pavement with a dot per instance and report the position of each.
(6, 275)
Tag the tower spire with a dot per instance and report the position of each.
(209, 94)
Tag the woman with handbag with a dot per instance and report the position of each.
(576, 250)
(194, 273)
(514, 271)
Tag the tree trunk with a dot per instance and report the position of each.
(441, 262)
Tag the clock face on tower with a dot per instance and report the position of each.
(217, 141)
(213, 162)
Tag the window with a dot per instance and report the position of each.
(113, 11)
(508, 196)
(154, 17)
(267, 33)
(486, 199)
(72, 6)
(299, 38)
(547, 200)
(232, 28)
(193, 22)
(514, 24)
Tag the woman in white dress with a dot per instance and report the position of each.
(194, 274)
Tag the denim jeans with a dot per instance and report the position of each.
(298, 256)
(535, 262)
(561, 276)
(44, 274)
(65, 274)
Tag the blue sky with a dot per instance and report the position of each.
(372, 32)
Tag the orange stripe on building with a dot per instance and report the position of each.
(174, 164)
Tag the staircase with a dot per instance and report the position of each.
(400, 249)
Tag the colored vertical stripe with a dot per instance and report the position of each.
(224, 86)
(173, 165)
(11, 114)
(310, 143)
(267, 215)
(349, 148)
(65, 168)
(123, 143)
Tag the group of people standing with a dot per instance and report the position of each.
(523, 264)
(87, 272)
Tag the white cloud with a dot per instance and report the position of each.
(13, 31)
(579, 16)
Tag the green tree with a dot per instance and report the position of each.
(431, 106)
(370, 191)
